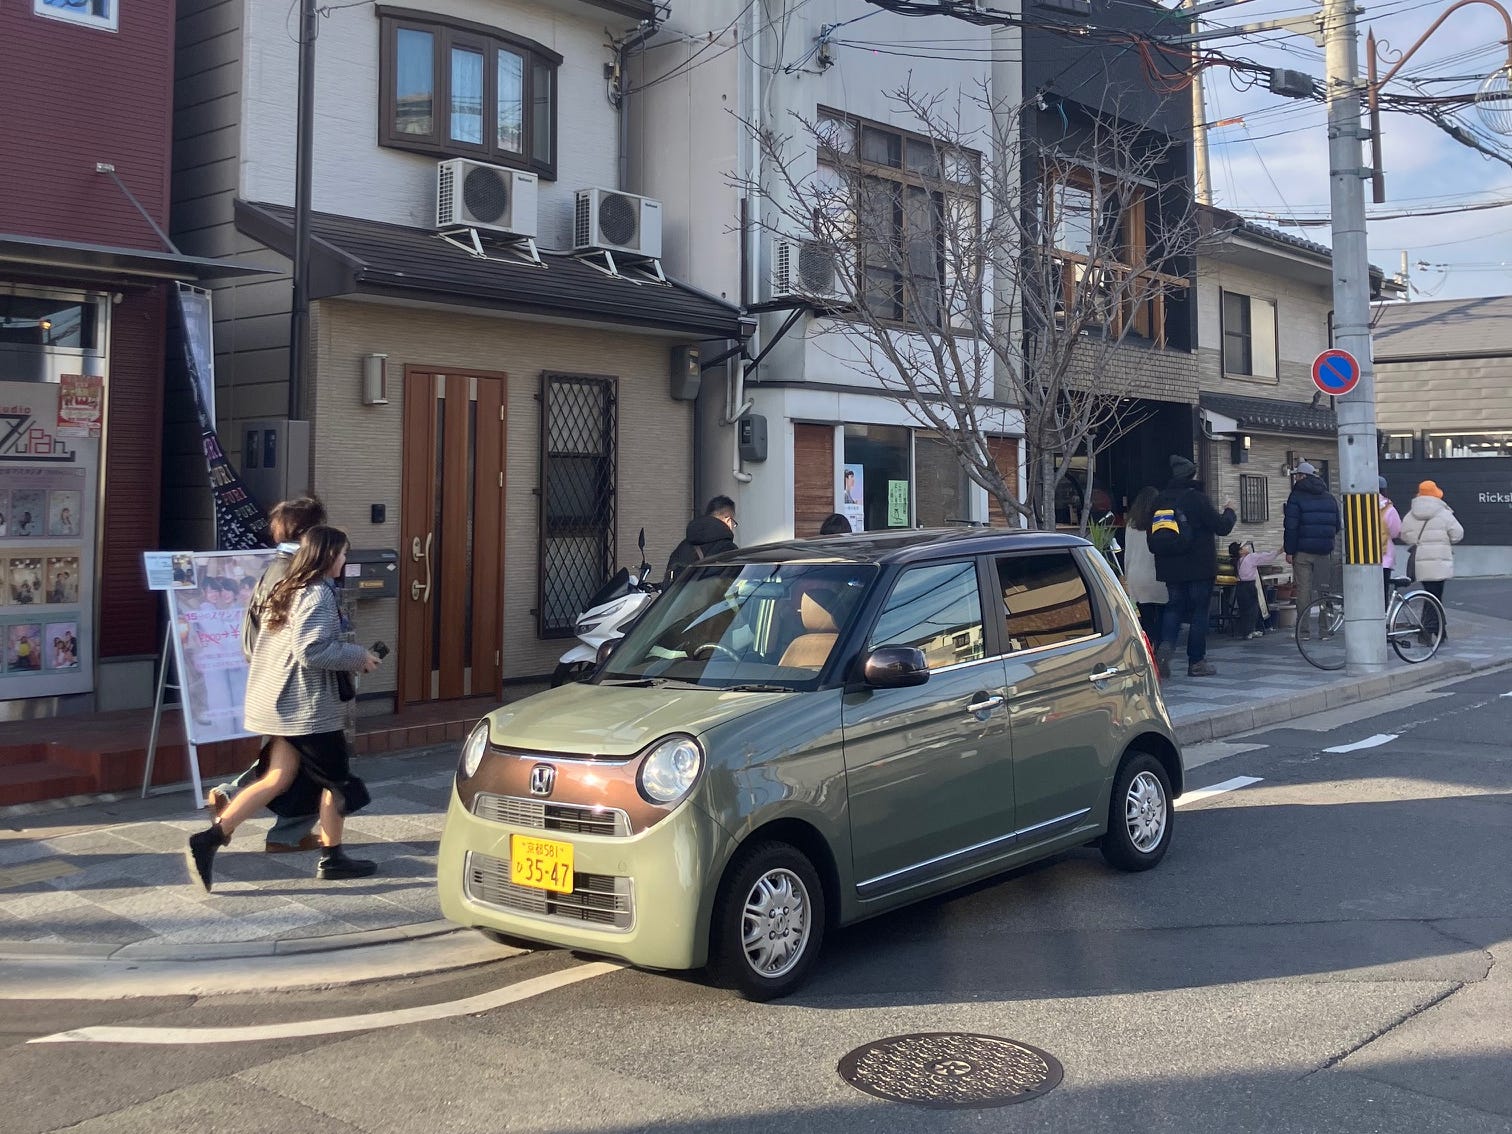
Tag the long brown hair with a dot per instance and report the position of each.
(1143, 508)
(319, 548)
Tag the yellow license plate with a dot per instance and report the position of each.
(542, 864)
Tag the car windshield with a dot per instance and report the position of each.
(760, 625)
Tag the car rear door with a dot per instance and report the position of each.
(1067, 674)
(928, 768)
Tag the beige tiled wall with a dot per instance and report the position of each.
(358, 457)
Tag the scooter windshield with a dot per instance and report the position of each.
(744, 624)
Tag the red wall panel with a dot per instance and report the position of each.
(133, 472)
(82, 95)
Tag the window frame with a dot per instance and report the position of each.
(110, 23)
(1435, 438)
(889, 587)
(938, 187)
(1254, 498)
(1247, 336)
(448, 34)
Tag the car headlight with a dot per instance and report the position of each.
(473, 749)
(670, 769)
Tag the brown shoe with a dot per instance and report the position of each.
(217, 801)
(308, 843)
(1201, 669)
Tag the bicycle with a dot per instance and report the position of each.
(1415, 622)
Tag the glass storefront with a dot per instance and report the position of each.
(876, 490)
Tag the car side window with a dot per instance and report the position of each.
(1045, 599)
(937, 609)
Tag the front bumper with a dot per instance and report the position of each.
(650, 893)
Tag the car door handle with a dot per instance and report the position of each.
(984, 704)
(1104, 674)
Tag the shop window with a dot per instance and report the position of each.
(576, 551)
(937, 609)
(1254, 498)
(92, 13)
(1492, 443)
(41, 323)
(875, 489)
(451, 88)
(1045, 600)
(942, 490)
(1249, 336)
(1398, 446)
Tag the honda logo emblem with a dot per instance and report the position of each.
(542, 779)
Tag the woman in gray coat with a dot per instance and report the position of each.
(294, 699)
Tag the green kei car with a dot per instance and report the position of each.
(798, 736)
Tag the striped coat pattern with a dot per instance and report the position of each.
(291, 685)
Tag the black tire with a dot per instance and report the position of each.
(566, 673)
(1140, 788)
(730, 963)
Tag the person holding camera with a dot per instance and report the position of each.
(294, 698)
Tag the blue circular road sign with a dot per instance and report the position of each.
(1335, 372)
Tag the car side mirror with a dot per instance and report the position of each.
(895, 667)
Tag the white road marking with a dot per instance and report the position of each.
(1217, 789)
(472, 1005)
(1375, 741)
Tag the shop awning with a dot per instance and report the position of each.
(105, 264)
(1272, 415)
(351, 256)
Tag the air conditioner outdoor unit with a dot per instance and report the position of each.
(610, 221)
(809, 270)
(470, 194)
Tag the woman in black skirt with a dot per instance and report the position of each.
(294, 699)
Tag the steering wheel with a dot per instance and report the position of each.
(709, 649)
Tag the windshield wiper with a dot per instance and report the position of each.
(756, 688)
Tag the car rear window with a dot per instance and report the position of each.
(1045, 599)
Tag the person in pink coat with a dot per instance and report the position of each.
(1391, 528)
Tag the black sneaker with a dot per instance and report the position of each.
(335, 866)
(200, 854)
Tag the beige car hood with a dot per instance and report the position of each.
(613, 720)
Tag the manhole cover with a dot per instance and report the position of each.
(951, 1069)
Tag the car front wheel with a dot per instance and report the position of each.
(1141, 813)
(768, 922)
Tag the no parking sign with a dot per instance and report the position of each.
(1335, 372)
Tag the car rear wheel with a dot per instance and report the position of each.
(768, 922)
(1141, 813)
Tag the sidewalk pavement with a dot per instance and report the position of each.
(107, 880)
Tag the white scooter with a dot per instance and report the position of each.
(607, 618)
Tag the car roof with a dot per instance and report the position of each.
(902, 547)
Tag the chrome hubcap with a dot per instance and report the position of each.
(1145, 812)
(775, 923)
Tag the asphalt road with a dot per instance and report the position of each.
(1319, 952)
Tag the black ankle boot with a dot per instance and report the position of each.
(335, 866)
(200, 853)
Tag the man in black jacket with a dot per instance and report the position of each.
(713, 533)
(1312, 521)
(1189, 575)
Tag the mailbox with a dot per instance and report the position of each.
(372, 574)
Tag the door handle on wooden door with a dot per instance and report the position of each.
(419, 591)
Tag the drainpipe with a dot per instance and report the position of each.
(647, 29)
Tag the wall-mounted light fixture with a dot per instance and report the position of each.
(1242, 449)
(375, 379)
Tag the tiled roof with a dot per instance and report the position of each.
(1272, 415)
(1444, 328)
(370, 257)
(1276, 236)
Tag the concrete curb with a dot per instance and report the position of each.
(153, 951)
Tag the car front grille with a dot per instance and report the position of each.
(602, 900)
(568, 817)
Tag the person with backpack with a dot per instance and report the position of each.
(1312, 522)
(1183, 537)
(713, 533)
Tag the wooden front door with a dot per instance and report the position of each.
(451, 600)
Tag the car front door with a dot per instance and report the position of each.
(1066, 690)
(928, 768)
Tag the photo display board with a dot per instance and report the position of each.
(48, 488)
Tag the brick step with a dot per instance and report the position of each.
(39, 780)
(12, 755)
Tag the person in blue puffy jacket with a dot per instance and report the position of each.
(1312, 522)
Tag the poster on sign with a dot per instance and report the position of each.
(850, 499)
(206, 618)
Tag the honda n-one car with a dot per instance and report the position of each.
(798, 736)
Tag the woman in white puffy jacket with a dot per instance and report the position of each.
(1430, 526)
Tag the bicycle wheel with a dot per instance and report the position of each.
(1320, 632)
(1417, 625)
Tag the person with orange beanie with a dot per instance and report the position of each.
(1431, 529)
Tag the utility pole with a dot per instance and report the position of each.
(299, 319)
(1202, 179)
(1364, 604)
